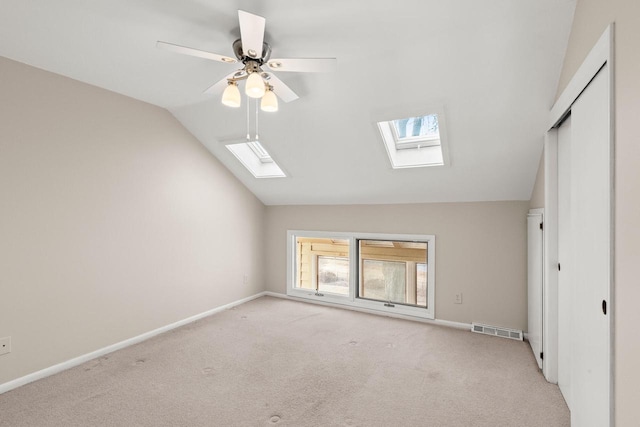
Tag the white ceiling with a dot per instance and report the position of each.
(491, 65)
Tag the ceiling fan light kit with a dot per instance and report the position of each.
(253, 52)
(255, 87)
(269, 101)
(231, 96)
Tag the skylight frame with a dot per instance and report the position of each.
(260, 152)
(253, 156)
(409, 142)
(415, 152)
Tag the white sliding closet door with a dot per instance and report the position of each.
(565, 284)
(591, 237)
(584, 245)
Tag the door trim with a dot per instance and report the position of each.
(537, 212)
(600, 54)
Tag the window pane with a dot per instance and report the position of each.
(393, 271)
(421, 289)
(384, 280)
(322, 264)
(333, 275)
(412, 127)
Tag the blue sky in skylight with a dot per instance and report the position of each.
(417, 127)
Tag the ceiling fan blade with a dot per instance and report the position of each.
(251, 33)
(194, 52)
(305, 65)
(279, 88)
(219, 86)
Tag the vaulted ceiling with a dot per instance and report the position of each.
(492, 66)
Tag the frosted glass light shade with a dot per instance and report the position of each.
(231, 96)
(269, 102)
(255, 86)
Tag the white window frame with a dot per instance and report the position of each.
(351, 300)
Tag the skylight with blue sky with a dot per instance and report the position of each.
(413, 142)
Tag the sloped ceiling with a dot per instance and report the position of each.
(491, 65)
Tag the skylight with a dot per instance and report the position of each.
(256, 159)
(416, 131)
(260, 152)
(413, 141)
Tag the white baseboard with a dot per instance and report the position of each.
(43, 373)
(448, 323)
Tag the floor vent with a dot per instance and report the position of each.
(513, 334)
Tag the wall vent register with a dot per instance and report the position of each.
(513, 334)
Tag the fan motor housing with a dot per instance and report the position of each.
(237, 50)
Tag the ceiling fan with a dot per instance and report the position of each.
(254, 53)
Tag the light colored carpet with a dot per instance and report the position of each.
(278, 362)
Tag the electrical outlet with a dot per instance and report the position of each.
(458, 298)
(5, 345)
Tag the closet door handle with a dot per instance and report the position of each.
(604, 307)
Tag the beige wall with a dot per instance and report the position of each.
(591, 19)
(537, 195)
(480, 250)
(114, 221)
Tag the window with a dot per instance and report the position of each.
(333, 275)
(322, 265)
(383, 280)
(421, 284)
(391, 273)
(414, 141)
(256, 159)
(416, 132)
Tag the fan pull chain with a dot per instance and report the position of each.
(257, 136)
(248, 131)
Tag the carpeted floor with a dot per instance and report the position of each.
(278, 362)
